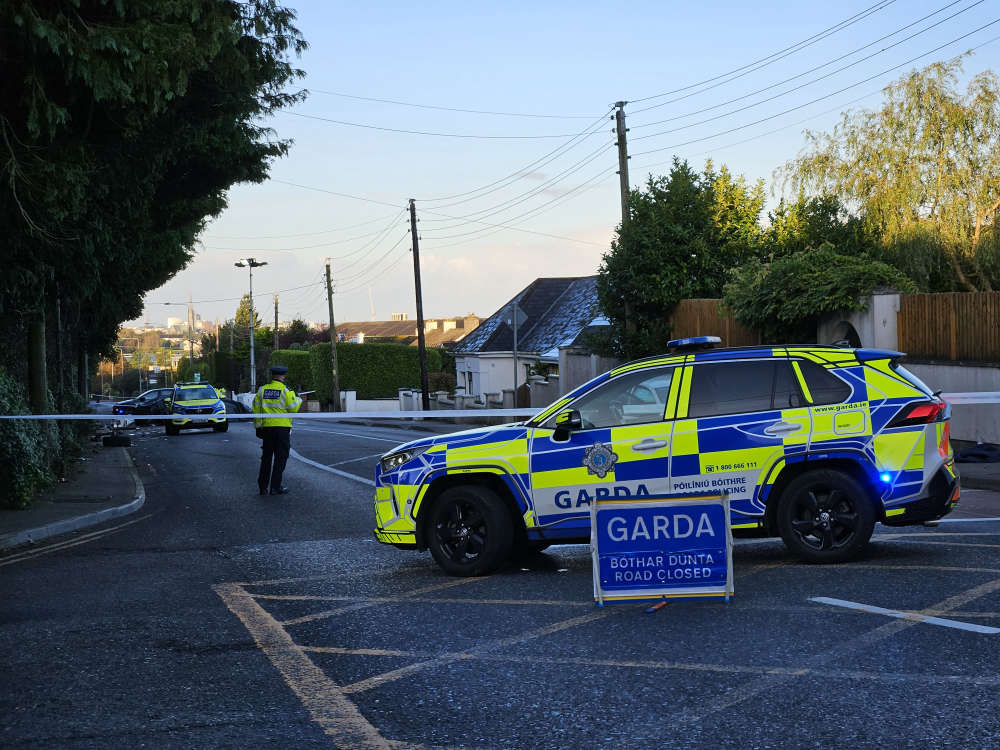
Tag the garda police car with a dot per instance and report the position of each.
(196, 405)
(812, 443)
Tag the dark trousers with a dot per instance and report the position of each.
(277, 443)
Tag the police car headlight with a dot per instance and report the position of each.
(393, 461)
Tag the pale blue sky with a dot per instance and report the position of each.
(565, 58)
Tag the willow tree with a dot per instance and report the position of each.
(923, 170)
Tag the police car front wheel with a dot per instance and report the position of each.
(825, 516)
(470, 531)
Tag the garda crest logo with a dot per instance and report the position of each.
(599, 459)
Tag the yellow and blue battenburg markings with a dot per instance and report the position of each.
(554, 482)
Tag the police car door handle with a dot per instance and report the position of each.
(649, 445)
(780, 428)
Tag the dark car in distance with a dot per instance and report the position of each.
(153, 401)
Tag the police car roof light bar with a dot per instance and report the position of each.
(694, 342)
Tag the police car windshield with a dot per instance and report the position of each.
(195, 394)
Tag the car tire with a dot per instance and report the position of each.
(825, 516)
(470, 532)
(221, 426)
(172, 429)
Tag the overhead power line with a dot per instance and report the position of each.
(499, 208)
(334, 192)
(344, 241)
(532, 212)
(807, 83)
(449, 109)
(541, 161)
(774, 56)
(478, 136)
(233, 299)
(299, 234)
(820, 98)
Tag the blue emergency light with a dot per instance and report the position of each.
(694, 342)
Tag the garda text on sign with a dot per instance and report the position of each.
(661, 547)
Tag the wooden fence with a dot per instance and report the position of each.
(702, 317)
(954, 326)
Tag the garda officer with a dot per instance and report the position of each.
(274, 398)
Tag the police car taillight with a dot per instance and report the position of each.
(922, 412)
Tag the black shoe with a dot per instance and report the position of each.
(263, 490)
(279, 491)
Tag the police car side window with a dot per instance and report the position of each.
(787, 394)
(824, 387)
(637, 398)
(731, 388)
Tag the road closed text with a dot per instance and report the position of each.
(661, 568)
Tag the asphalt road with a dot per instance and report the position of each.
(219, 618)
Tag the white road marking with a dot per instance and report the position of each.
(984, 629)
(352, 460)
(352, 434)
(967, 520)
(316, 464)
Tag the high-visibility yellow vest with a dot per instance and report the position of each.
(275, 398)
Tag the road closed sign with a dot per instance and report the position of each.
(661, 548)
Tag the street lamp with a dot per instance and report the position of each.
(251, 264)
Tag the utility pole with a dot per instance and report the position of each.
(276, 347)
(251, 264)
(620, 131)
(333, 341)
(422, 349)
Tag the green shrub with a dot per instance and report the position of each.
(373, 370)
(299, 364)
(784, 299)
(26, 447)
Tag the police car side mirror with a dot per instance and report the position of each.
(567, 422)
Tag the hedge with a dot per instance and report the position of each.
(26, 447)
(299, 364)
(373, 370)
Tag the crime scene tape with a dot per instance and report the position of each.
(336, 415)
(972, 397)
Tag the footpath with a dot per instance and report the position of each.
(102, 486)
(105, 485)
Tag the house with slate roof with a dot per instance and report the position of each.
(556, 313)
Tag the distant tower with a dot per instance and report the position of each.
(371, 302)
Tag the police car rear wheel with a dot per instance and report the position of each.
(471, 532)
(825, 516)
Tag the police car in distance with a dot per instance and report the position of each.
(812, 443)
(196, 405)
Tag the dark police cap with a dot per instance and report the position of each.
(279, 370)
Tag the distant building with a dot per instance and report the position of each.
(399, 316)
(437, 331)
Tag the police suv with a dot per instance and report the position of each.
(196, 405)
(812, 443)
